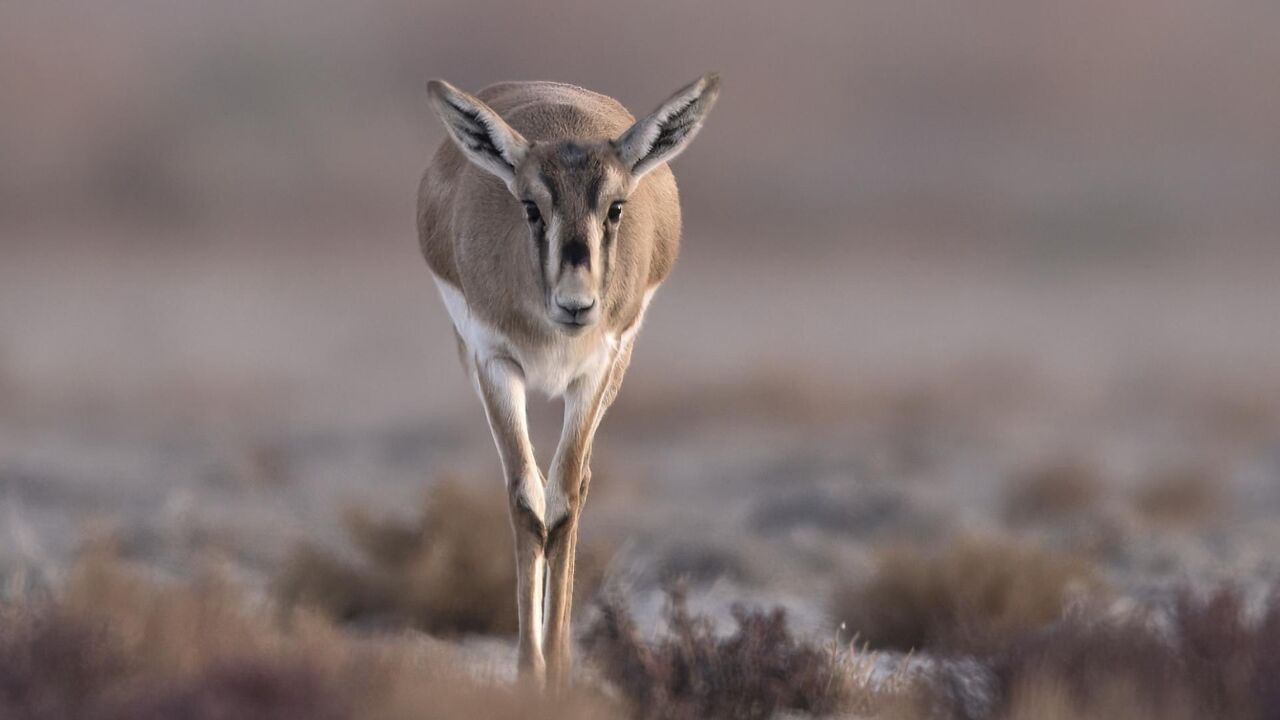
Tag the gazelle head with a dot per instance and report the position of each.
(573, 192)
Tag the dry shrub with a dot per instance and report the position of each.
(1081, 668)
(967, 595)
(1228, 661)
(1207, 661)
(317, 579)
(1042, 698)
(1210, 663)
(1182, 496)
(451, 571)
(171, 632)
(759, 670)
(52, 666)
(1052, 492)
(119, 647)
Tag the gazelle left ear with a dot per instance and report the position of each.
(482, 135)
(664, 133)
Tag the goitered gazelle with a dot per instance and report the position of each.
(548, 222)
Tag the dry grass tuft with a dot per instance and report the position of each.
(448, 572)
(758, 671)
(1082, 668)
(968, 595)
(116, 646)
(52, 666)
(1211, 662)
(1182, 496)
(1227, 660)
(1042, 698)
(172, 632)
(1052, 492)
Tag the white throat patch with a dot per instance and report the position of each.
(548, 369)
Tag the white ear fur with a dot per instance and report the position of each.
(664, 133)
(484, 137)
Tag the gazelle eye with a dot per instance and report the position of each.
(615, 211)
(531, 212)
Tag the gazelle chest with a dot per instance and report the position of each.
(549, 367)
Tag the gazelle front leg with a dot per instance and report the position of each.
(564, 504)
(501, 384)
(585, 405)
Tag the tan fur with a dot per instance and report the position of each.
(547, 288)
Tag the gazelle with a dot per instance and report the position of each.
(548, 223)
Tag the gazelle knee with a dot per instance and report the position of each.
(557, 531)
(528, 510)
(563, 502)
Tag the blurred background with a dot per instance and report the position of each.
(996, 269)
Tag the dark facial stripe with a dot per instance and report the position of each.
(540, 239)
(551, 188)
(606, 261)
(607, 274)
(593, 191)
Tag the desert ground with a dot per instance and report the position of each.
(286, 420)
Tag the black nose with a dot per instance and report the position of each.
(575, 308)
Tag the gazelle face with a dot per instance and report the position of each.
(573, 192)
(574, 197)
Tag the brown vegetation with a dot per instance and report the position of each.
(1210, 662)
(448, 572)
(970, 594)
(116, 646)
(1053, 491)
(1183, 496)
(119, 647)
(757, 671)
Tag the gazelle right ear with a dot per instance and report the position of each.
(484, 137)
(664, 133)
